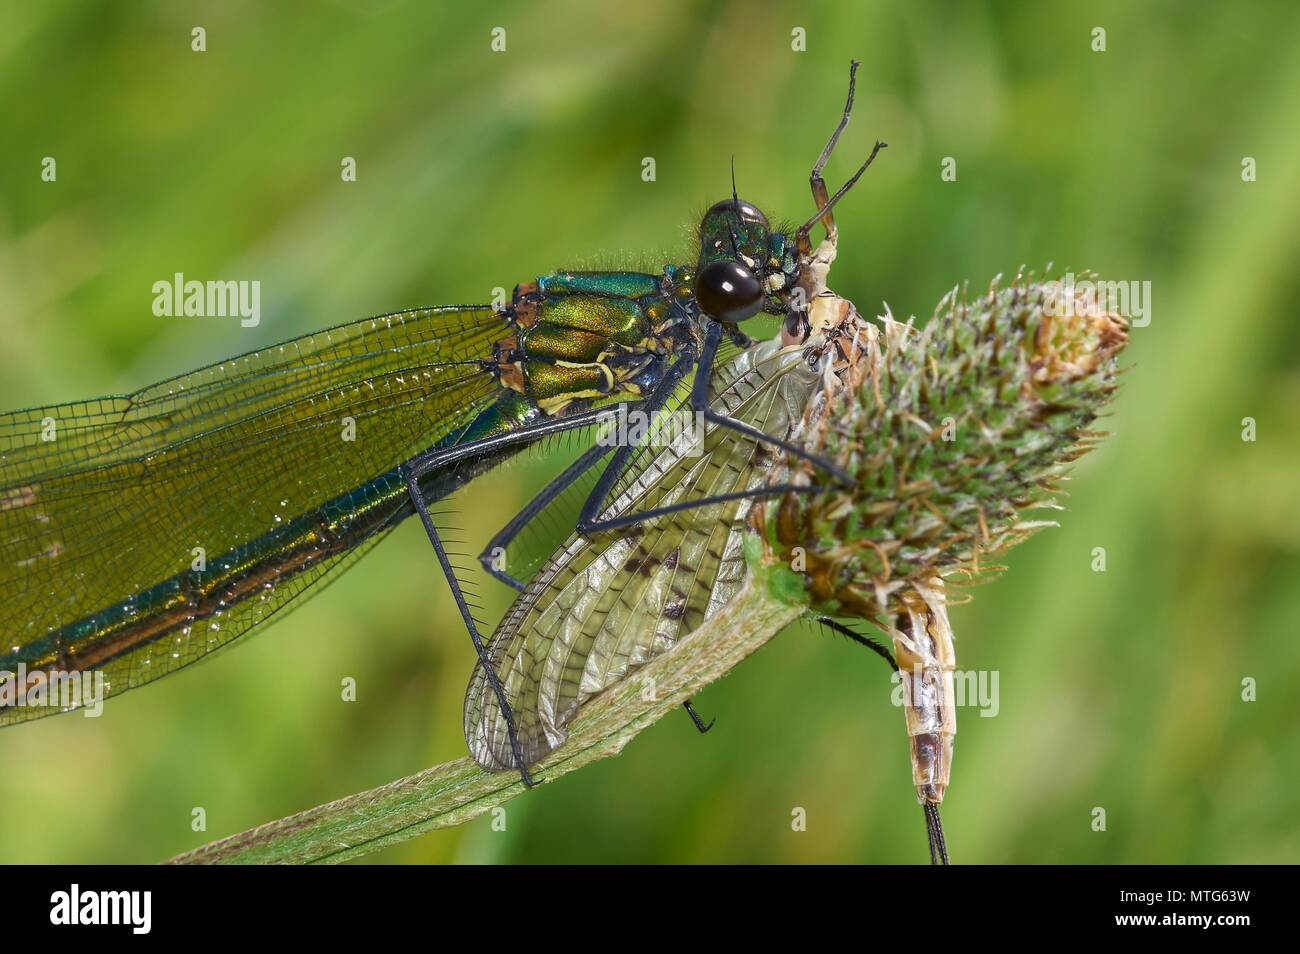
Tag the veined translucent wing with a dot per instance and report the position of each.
(100, 500)
(606, 604)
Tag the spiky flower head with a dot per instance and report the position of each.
(952, 433)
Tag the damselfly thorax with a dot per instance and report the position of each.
(582, 337)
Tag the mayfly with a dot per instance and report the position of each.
(118, 557)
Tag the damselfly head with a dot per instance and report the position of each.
(742, 262)
(734, 213)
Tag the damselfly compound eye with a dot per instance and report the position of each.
(728, 291)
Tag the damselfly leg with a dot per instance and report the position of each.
(695, 717)
(438, 459)
(590, 520)
(589, 458)
(700, 404)
(468, 617)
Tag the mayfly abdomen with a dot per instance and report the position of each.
(926, 658)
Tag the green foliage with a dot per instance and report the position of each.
(786, 586)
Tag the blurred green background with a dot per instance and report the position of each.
(478, 169)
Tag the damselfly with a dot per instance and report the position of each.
(119, 556)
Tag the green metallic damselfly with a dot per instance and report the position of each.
(117, 558)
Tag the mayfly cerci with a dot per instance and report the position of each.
(104, 503)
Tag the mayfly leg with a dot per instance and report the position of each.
(821, 197)
(864, 641)
(822, 200)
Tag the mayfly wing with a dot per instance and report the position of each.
(605, 604)
(100, 500)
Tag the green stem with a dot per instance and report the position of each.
(457, 791)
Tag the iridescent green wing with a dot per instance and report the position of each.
(102, 501)
(605, 605)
